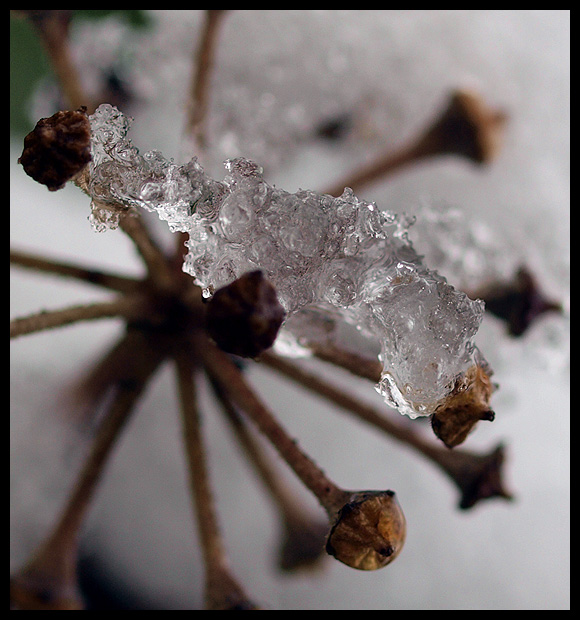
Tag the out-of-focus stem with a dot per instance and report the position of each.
(53, 30)
(204, 60)
(304, 534)
(49, 580)
(106, 280)
(466, 127)
(221, 590)
(49, 319)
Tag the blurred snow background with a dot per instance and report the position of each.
(279, 75)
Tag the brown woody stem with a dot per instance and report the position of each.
(49, 581)
(204, 60)
(233, 383)
(477, 476)
(304, 534)
(358, 365)
(53, 30)
(157, 266)
(221, 589)
(106, 280)
(49, 319)
(466, 127)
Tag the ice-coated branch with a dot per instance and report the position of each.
(336, 259)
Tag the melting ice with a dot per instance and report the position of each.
(341, 259)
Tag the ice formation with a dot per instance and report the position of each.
(342, 259)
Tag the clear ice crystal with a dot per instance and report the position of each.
(330, 259)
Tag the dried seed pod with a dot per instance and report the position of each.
(369, 531)
(58, 148)
(244, 317)
(468, 127)
(519, 303)
(467, 404)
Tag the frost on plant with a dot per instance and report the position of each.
(341, 259)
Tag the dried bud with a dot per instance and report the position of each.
(469, 128)
(519, 303)
(467, 404)
(58, 148)
(369, 532)
(244, 317)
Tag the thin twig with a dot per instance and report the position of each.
(154, 259)
(358, 365)
(466, 127)
(203, 63)
(106, 280)
(304, 534)
(221, 590)
(196, 122)
(340, 398)
(234, 384)
(49, 580)
(53, 29)
(49, 319)
(478, 476)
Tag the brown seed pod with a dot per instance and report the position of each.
(58, 148)
(519, 303)
(245, 316)
(468, 127)
(467, 404)
(369, 531)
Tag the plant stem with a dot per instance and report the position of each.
(358, 365)
(49, 581)
(53, 29)
(106, 280)
(304, 534)
(477, 476)
(157, 266)
(196, 123)
(204, 60)
(466, 127)
(49, 319)
(221, 589)
(233, 383)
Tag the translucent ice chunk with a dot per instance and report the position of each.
(338, 259)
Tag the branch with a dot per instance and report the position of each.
(156, 263)
(52, 27)
(106, 280)
(49, 580)
(221, 590)
(49, 319)
(478, 476)
(358, 365)
(304, 534)
(467, 127)
(204, 60)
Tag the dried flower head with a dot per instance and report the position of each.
(369, 531)
(58, 148)
(466, 405)
(340, 242)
